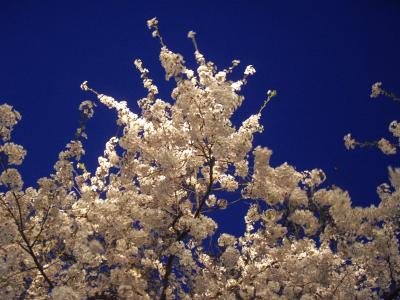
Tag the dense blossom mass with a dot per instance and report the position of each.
(139, 226)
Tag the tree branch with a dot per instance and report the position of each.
(20, 227)
(183, 234)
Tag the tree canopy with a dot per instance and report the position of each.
(139, 226)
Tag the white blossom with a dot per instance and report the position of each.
(386, 147)
(8, 119)
(15, 153)
(11, 178)
(349, 142)
(394, 128)
(226, 240)
(249, 70)
(191, 34)
(152, 22)
(84, 86)
(86, 107)
(376, 90)
(171, 62)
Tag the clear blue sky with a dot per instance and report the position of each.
(321, 56)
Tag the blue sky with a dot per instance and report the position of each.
(321, 56)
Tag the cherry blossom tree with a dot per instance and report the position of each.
(137, 227)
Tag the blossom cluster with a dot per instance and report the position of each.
(384, 145)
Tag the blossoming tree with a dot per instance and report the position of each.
(137, 227)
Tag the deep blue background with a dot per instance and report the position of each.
(321, 56)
